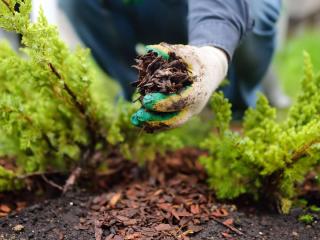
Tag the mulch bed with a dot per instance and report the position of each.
(172, 203)
(167, 199)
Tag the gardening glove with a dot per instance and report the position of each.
(208, 67)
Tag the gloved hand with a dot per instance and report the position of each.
(208, 66)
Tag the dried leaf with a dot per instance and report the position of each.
(2, 214)
(114, 200)
(110, 237)
(163, 227)
(227, 236)
(220, 213)
(133, 236)
(122, 218)
(195, 209)
(118, 237)
(228, 222)
(195, 229)
(5, 208)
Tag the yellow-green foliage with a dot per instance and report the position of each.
(8, 180)
(46, 115)
(269, 158)
(306, 218)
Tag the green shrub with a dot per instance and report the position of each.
(307, 219)
(8, 180)
(315, 209)
(269, 158)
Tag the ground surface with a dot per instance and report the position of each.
(59, 219)
(170, 202)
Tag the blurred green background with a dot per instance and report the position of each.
(289, 61)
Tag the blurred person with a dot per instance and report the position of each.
(217, 38)
(272, 89)
(270, 84)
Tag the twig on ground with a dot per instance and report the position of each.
(72, 179)
(228, 226)
(51, 183)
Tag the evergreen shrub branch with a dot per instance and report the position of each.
(269, 158)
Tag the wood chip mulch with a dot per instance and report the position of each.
(173, 202)
(159, 75)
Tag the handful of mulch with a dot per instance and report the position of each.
(157, 74)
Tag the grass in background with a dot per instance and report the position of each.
(289, 61)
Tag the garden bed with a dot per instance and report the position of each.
(167, 199)
(55, 118)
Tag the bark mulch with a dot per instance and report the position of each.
(159, 75)
(167, 199)
(172, 202)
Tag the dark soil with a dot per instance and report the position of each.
(61, 218)
(168, 199)
(159, 75)
(51, 220)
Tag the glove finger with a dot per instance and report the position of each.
(158, 121)
(160, 102)
(160, 50)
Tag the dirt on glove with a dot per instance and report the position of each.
(157, 74)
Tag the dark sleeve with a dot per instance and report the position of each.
(220, 23)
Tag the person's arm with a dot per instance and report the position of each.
(216, 28)
(218, 23)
